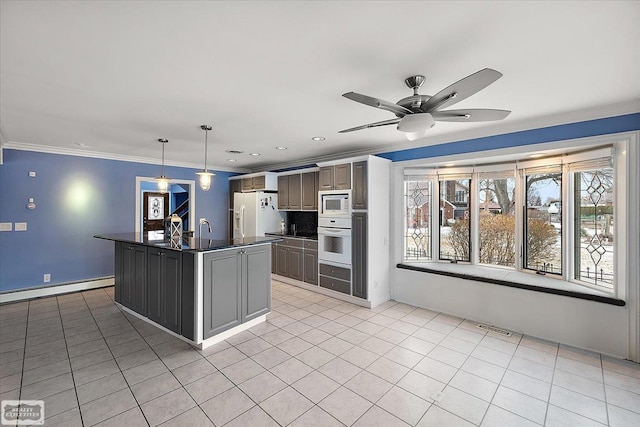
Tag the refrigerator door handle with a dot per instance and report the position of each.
(242, 221)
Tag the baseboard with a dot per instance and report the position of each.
(323, 291)
(48, 291)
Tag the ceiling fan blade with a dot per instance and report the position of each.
(461, 89)
(378, 103)
(372, 125)
(470, 115)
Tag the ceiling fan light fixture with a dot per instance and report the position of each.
(162, 180)
(416, 123)
(204, 176)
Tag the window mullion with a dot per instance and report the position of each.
(567, 225)
(474, 220)
(520, 207)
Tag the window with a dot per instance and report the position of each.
(417, 232)
(497, 219)
(553, 217)
(455, 231)
(594, 226)
(543, 221)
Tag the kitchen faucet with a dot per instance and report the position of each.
(202, 222)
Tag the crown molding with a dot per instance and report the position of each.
(109, 156)
(612, 110)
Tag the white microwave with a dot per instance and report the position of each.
(334, 203)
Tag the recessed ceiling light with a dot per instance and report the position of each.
(280, 147)
(535, 155)
(448, 165)
(231, 160)
(254, 154)
(318, 138)
(235, 151)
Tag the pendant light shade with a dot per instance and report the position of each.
(204, 175)
(163, 181)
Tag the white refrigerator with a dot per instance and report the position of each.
(255, 214)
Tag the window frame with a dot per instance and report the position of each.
(615, 148)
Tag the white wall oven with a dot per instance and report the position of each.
(334, 204)
(334, 240)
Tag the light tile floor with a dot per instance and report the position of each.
(317, 361)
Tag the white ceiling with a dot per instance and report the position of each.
(115, 76)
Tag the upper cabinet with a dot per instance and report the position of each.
(310, 191)
(265, 181)
(337, 177)
(298, 192)
(326, 178)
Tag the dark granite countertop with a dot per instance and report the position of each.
(190, 244)
(296, 236)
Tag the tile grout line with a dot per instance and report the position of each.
(604, 389)
(114, 360)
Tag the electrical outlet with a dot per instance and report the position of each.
(21, 226)
(6, 226)
(32, 174)
(47, 278)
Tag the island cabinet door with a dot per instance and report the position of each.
(222, 292)
(256, 282)
(131, 291)
(164, 288)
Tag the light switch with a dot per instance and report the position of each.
(21, 226)
(6, 226)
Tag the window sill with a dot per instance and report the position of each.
(513, 279)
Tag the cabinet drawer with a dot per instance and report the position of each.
(337, 272)
(335, 284)
(296, 243)
(311, 244)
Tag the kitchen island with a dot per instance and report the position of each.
(201, 290)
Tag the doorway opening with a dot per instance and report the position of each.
(153, 207)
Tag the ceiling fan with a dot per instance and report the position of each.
(418, 113)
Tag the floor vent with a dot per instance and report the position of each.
(494, 329)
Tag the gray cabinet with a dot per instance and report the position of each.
(254, 183)
(342, 176)
(282, 260)
(310, 191)
(335, 278)
(274, 257)
(359, 192)
(237, 287)
(359, 253)
(222, 292)
(295, 192)
(290, 192)
(311, 267)
(164, 287)
(325, 177)
(131, 276)
(296, 263)
(336, 177)
(283, 192)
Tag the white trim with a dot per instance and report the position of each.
(111, 156)
(199, 298)
(28, 294)
(192, 200)
(199, 344)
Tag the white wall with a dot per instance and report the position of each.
(591, 325)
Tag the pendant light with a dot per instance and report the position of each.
(205, 175)
(163, 181)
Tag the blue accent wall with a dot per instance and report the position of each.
(626, 123)
(76, 198)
